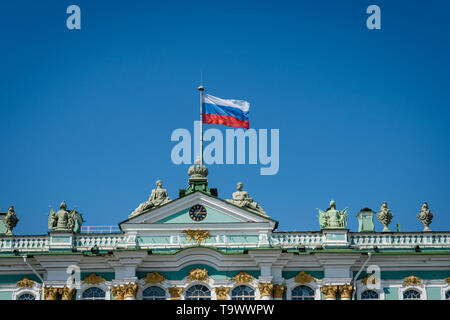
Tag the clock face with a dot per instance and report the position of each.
(197, 212)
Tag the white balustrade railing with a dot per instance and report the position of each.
(102, 241)
(400, 240)
(296, 239)
(32, 243)
(100, 229)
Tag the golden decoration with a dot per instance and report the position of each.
(51, 293)
(197, 234)
(243, 277)
(329, 291)
(198, 274)
(303, 277)
(222, 292)
(265, 289)
(66, 293)
(93, 279)
(346, 291)
(154, 277)
(118, 292)
(448, 280)
(130, 290)
(412, 281)
(25, 283)
(175, 293)
(366, 278)
(278, 291)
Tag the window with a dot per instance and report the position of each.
(369, 295)
(447, 295)
(198, 292)
(411, 295)
(154, 293)
(302, 293)
(243, 293)
(26, 296)
(93, 293)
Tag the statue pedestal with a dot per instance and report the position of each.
(60, 240)
(335, 238)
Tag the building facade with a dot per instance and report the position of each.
(200, 246)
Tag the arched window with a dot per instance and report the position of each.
(369, 295)
(93, 293)
(411, 294)
(154, 293)
(26, 296)
(447, 295)
(198, 292)
(302, 293)
(243, 293)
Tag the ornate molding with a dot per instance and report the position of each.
(51, 293)
(93, 279)
(118, 292)
(66, 293)
(198, 235)
(303, 277)
(329, 291)
(366, 278)
(278, 291)
(412, 281)
(222, 292)
(175, 293)
(265, 289)
(242, 277)
(154, 277)
(448, 280)
(346, 291)
(198, 274)
(25, 283)
(130, 290)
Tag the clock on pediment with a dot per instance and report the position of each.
(197, 212)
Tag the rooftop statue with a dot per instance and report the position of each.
(332, 218)
(425, 216)
(158, 197)
(241, 199)
(384, 216)
(10, 220)
(64, 220)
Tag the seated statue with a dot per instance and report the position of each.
(241, 199)
(158, 197)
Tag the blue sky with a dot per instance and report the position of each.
(86, 115)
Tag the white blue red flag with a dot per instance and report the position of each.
(232, 113)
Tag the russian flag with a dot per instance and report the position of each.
(232, 113)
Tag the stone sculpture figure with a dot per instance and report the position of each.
(332, 218)
(64, 220)
(10, 220)
(384, 216)
(425, 216)
(241, 199)
(158, 197)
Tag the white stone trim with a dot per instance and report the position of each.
(291, 284)
(35, 290)
(105, 286)
(422, 290)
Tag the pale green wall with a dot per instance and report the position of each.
(6, 295)
(390, 293)
(433, 293)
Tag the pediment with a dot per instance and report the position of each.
(176, 212)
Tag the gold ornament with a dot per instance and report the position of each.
(265, 289)
(278, 291)
(243, 277)
(198, 274)
(51, 293)
(303, 277)
(221, 293)
(197, 234)
(366, 278)
(118, 292)
(412, 281)
(448, 280)
(130, 290)
(25, 283)
(346, 291)
(175, 293)
(154, 277)
(93, 279)
(66, 293)
(329, 291)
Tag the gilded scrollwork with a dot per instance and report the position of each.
(345, 291)
(222, 292)
(154, 277)
(25, 283)
(330, 291)
(66, 293)
(51, 293)
(197, 234)
(198, 274)
(93, 279)
(175, 293)
(278, 291)
(118, 292)
(130, 290)
(303, 277)
(265, 289)
(412, 281)
(366, 278)
(242, 277)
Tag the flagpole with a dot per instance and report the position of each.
(201, 89)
